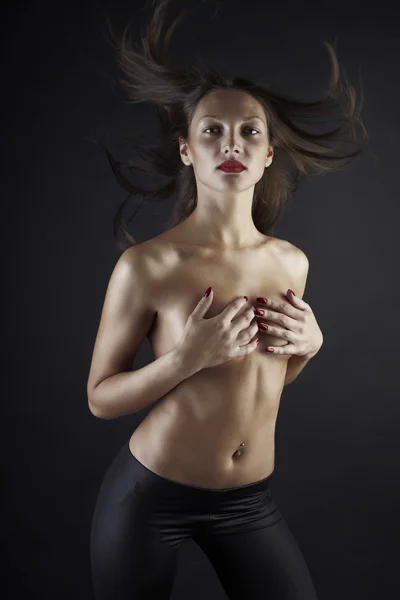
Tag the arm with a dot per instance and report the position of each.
(299, 268)
(113, 389)
(127, 393)
(295, 365)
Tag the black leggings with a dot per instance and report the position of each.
(141, 519)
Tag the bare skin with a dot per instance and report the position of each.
(216, 428)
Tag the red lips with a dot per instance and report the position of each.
(232, 166)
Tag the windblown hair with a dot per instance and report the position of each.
(175, 92)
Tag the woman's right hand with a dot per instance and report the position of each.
(210, 342)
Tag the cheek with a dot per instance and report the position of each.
(206, 146)
(205, 157)
(259, 170)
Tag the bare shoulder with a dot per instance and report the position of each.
(133, 267)
(141, 254)
(133, 259)
(292, 253)
(152, 260)
(296, 262)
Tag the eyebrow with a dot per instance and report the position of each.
(244, 119)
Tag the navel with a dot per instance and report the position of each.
(239, 450)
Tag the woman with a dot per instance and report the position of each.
(199, 465)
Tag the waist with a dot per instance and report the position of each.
(222, 450)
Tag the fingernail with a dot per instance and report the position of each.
(292, 292)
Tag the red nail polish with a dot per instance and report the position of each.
(269, 350)
(292, 292)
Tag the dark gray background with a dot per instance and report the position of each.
(337, 440)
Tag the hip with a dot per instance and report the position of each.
(176, 507)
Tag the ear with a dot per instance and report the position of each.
(270, 156)
(183, 151)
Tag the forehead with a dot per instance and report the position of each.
(226, 104)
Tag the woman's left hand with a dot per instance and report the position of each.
(295, 322)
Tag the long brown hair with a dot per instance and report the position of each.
(148, 76)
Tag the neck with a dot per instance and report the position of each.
(226, 226)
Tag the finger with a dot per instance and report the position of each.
(279, 318)
(287, 349)
(247, 334)
(248, 348)
(284, 334)
(233, 308)
(297, 302)
(280, 306)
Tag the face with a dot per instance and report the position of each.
(228, 134)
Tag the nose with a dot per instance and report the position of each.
(231, 144)
(231, 147)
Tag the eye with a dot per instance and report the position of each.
(247, 129)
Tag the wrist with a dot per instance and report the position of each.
(181, 363)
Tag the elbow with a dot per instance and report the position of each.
(93, 407)
(95, 411)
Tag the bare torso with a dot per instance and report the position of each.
(216, 429)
